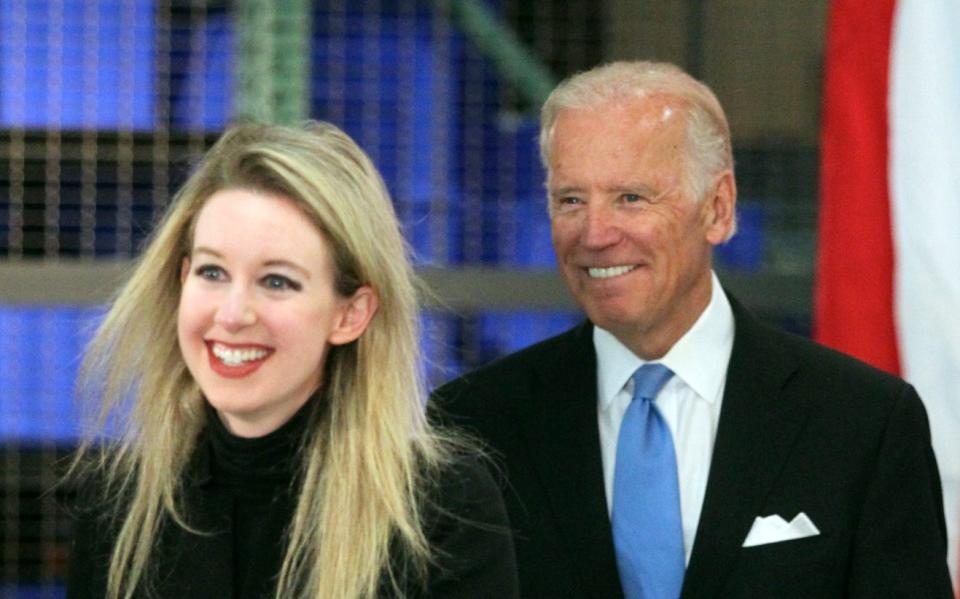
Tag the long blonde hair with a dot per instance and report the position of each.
(370, 448)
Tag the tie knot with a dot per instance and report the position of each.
(649, 379)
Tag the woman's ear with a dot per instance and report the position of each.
(184, 269)
(357, 312)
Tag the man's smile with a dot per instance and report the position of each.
(610, 271)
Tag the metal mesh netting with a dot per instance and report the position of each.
(104, 107)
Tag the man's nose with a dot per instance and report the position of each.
(600, 227)
(237, 310)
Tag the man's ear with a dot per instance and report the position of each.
(357, 312)
(720, 209)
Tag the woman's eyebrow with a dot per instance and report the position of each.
(202, 249)
(273, 262)
(288, 264)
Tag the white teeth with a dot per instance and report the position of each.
(612, 271)
(235, 357)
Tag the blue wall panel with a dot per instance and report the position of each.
(40, 353)
(53, 56)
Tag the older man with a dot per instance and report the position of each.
(673, 445)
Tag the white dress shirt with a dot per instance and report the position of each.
(689, 402)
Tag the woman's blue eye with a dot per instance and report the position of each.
(280, 282)
(210, 272)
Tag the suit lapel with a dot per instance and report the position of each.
(560, 428)
(755, 434)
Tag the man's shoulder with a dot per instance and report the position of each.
(811, 353)
(516, 373)
(834, 373)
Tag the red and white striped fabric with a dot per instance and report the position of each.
(888, 271)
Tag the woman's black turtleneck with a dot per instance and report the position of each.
(257, 478)
(238, 499)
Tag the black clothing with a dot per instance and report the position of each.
(241, 493)
(802, 429)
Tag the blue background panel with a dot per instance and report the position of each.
(88, 64)
(40, 354)
(53, 591)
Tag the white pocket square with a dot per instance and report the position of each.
(774, 529)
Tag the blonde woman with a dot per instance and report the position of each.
(262, 368)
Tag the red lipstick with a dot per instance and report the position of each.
(241, 370)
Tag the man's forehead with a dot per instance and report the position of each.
(619, 128)
(633, 126)
(650, 108)
(634, 145)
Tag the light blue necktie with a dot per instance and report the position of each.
(647, 531)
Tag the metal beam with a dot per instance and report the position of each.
(467, 289)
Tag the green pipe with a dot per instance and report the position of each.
(513, 60)
(273, 60)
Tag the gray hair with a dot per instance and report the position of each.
(708, 149)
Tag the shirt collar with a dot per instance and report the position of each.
(699, 358)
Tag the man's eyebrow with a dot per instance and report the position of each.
(641, 188)
(558, 191)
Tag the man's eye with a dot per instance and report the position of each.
(564, 203)
(280, 282)
(210, 272)
(632, 198)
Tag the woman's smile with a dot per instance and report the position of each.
(236, 361)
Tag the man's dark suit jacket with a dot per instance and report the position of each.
(802, 429)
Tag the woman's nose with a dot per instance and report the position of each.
(236, 311)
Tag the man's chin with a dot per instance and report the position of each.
(613, 320)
